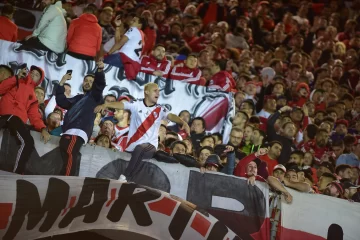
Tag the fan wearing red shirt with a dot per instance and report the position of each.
(318, 146)
(221, 79)
(156, 64)
(188, 73)
(9, 30)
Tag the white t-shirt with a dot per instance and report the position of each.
(133, 47)
(144, 123)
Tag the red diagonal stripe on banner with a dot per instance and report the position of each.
(200, 224)
(5, 213)
(71, 204)
(165, 206)
(112, 197)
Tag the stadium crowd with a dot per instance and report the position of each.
(292, 67)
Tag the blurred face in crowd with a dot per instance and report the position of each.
(292, 176)
(321, 138)
(205, 57)
(326, 126)
(211, 168)
(323, 183)
(176, 30)
(301, 176)
(349, 193)
(179, 148)
(203, 156)
(337, 72)
(251, 169)
(217, 139)
(159, 53)
(278, 89)
(103, 141)
(236, 138)
(279, 174)
(162, 133)
(152, 94)
(326, 86)
(246, 107)
(356, 105)
(289, 130)
(256, 137)
(296, 58)
(206, 73)
(321, 170)
(67, 91)
(355, 174)
(346, 173)
(106, 16)
(107, 128)
(135, 23)
(185, 116)
(87, 83)
(53, 120)
(189, 146)
(270, 105)
(47, 2)
(109, 99)
(341, 129)
(308, 159)
(297, 115)
(4, 74)
(331, 190)
(189, 31)
(209, 141)
(294, 74)
(275, 151)
(35, 76)
(197, 126)
(191, 62)
(296, 158)
(40, 95)
(248, 131)
(250, 89)
(338, 150)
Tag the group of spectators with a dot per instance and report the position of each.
(291, 65)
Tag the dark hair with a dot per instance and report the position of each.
(338, 143)
(347, 96)
(207, 136)
(272, 143)
(201, 119)
(89, 9)
(41, 88)
(173, 133)
(273, 62)
(311, 130)
(61, 112)
(285, 124)
(66, 84)
(144, 22)
(217, 134)
(173, 144)
(207, 148)
(169, 141)
(110, 95)
(294, 66)
(221, 63)
(52, 114)
(261, 132)
(300, 153)
(159, 45)
(321, 130)
(182, 111)
(341, 167)
(7, 9)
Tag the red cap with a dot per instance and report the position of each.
(124, 98)
(302, 85)
(342, 121)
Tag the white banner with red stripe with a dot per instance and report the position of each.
(215, 107)
(319, 217)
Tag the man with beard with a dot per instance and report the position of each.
(121, 128)
(240, 119)
(156, 64)
(324, 181)
(319, 146)
(79, 119)
(334, 189)
(344, 171)
(287, 133)
(236, 137)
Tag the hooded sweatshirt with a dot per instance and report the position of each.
(84, 35)
(19, 99)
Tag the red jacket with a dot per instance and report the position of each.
(21, 100)
(149, 64)
(223, 81)
(84, 35)
(9, 30)
(150, 39)
(186, 74)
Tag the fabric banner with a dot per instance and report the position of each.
(315, 217)
(214, 106)
(41, 206)
(241, 207)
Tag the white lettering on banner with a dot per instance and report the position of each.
(214, 106)
(217, 193)
(312, 216)
(40, 206)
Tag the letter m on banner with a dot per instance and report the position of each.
(28, 204)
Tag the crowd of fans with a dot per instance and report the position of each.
(291, 65)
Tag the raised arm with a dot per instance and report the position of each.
(99, 82)
(61, 100)
(179, 121)
(7, 84)
(115, 105)
(276, 184)
(119, 44)
(272, 119)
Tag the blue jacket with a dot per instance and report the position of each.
(80, 114)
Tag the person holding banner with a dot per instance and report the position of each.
(146, 116)
(79, 119)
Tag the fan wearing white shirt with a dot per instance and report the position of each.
(145, 121)
(126, 53)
